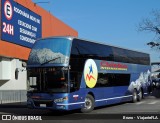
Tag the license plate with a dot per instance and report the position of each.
(42, 105)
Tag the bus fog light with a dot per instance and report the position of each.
(61, 100)
(61, 107)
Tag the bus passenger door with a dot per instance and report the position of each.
(75, 91)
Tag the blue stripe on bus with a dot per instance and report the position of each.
(97, 100)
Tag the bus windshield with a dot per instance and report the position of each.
(48, 80)
(50, 51)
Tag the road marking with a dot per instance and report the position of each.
(145, 102)
(154, 102)
(142, 102)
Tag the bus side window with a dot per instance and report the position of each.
(103, 80)
(112, 79)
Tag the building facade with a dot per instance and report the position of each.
(22, 23)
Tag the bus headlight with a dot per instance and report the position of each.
(61, 100)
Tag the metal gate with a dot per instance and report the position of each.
(12, 96)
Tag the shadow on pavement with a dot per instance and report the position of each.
(21, 109)
(14, 105)
(156, 93)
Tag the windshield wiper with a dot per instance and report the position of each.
(50, 60)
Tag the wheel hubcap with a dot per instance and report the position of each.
(135, 96)
(140, 94)
(88, 103)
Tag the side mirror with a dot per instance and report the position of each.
(72, 85)
(16, 73)
(24, 64)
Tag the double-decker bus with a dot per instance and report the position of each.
(67, 73)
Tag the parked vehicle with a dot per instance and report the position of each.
(66, 73)
(156, 83)
(156, 80)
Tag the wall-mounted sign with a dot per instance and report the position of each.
(19, 25)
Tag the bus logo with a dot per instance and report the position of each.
(90, 73)
(104, 65)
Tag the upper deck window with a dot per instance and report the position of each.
(50, 51)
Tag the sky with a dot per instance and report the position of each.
(113, 22)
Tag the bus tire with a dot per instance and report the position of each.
(140, 95)
(89, 104)
(134, 96)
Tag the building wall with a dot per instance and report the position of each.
(12, 55)
(7, 75)
(12, 89)
(51, 26)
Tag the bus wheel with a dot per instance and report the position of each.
(140, 95)
(89, 104)
(134, 96)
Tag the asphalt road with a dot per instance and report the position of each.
(148, 107)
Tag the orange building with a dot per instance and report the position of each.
(12, 52)
(51, 26)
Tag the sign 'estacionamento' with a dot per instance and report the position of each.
(19, 25)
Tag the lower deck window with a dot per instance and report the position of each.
(112, 79)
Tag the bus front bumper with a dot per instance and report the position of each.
(46, 104)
